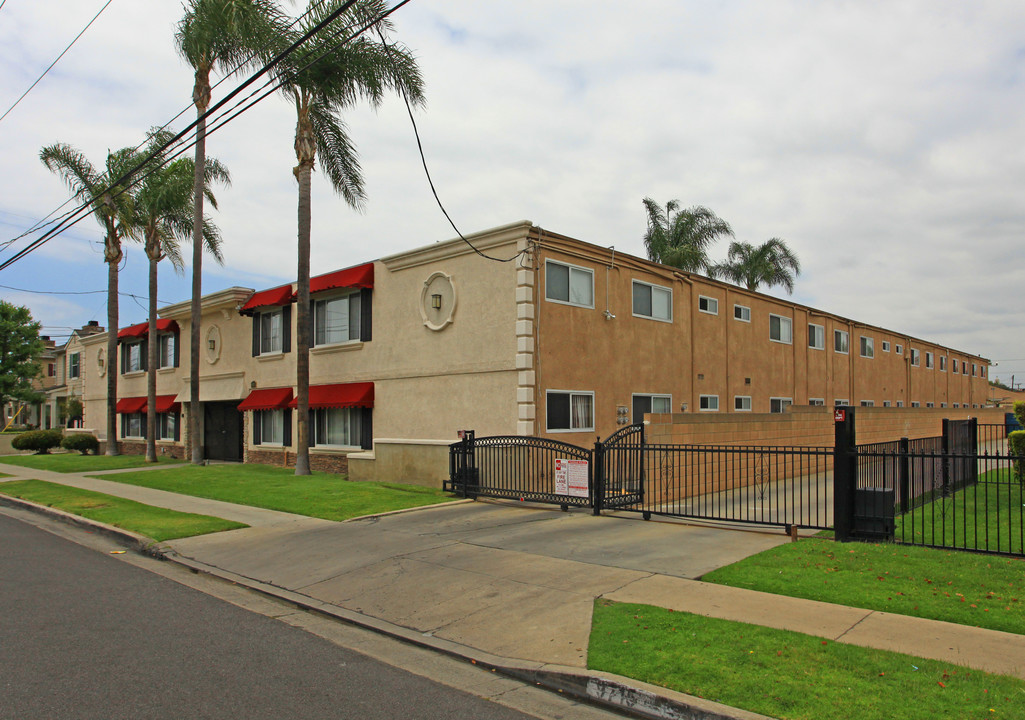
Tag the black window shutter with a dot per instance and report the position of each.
(177, 350)
(124, 426)
(286, 330)
(143, 424)
(256, 426)
(366, 428)
(144, 355)
(256, 334)
(366, 313)
(286, 435)
(177, 425)
(312, 427)
(124, 358)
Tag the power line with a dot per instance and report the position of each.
(178, 137)
(55, 61)
(75, 292)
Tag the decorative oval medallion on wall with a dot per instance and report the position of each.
(101, 362)
(438, 301)
(213, 344)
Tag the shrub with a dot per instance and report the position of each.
(1016, 440)
(1019, 412)
(39, 440)
(83, 442)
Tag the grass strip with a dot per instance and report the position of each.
(789, 675)
(157, 523)
(321, 495)
(78, 463)
(959, 587)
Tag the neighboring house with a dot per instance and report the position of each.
(1005, 398)
(79, 368)
(36, 415)
(567, 340)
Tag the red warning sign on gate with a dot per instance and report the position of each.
(839, 415)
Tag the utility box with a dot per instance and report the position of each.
(873, 513)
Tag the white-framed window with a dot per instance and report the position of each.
(167, 426)
(900, 403)
(337, 427)
(269, 427)
(569, 284)
(166, 350)
(133, 357)
(779, 404)
(74, 365)
(868, 347)
(652, 301)
(915, 403)
(841, 341)
(644, 404)
(929, 404)
(742, 313)
(868, 403)
(899, 349)
(816, 402)
(742, 403)
(133, 425)
(943, 404)
(916, 357)
(886, 403)
(781, 329)
(974, 367)
(838, 403)
(708, 305)
(816, 336)
(270, 327)
(886, 346)
(336, 319)
(957, 405)
(954, 365)
(569, 411)
(708, 403)
(982, 371)
(943, 363)
(929, 362)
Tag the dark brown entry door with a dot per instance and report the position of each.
(222, 430)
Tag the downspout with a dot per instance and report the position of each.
(693, 309)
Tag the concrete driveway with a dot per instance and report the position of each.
(512, 580)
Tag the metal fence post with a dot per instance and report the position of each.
(597, 477)
(904, 475)
(946, 448)
(973, 469)
(845, 472)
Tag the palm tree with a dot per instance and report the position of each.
(771, 263)
(226, 35)
(163, 206)
(681, 238)
(112, 206)
(323, 78)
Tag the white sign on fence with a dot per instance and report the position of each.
(571, 477)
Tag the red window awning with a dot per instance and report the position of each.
(266, 298)
(361, 276)
(166, 404)
(340, 395)
(131, 404)
(266, 399)
(142, 329)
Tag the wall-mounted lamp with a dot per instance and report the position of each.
(212, 344)
(100, 362)
(436, 301)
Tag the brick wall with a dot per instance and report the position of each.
(320, 462)
(803, 426)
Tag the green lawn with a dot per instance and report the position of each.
(789, 675)
(78, 463)
(157, 523)
(322, 495)
(960, 587)
(985, 516)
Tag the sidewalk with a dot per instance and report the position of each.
(513, 586)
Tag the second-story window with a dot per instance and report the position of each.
(569, 284)
(167, 350)
(781, 329)
(652, 301)
(133, 357)
(336, 320)
(73, 365)
(272, 330)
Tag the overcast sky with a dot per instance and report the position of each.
(884, 141)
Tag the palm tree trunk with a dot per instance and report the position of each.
(151, 365)
(112, 365)
(201, 96)
(304, 173)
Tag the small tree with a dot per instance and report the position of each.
(20, 347)
(1019, 412)
(42, 441)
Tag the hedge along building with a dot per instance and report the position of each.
(566, 339)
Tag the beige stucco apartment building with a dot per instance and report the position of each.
(547, 335)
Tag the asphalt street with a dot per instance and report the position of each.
(84, 635)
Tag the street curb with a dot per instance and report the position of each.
(594, 687)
